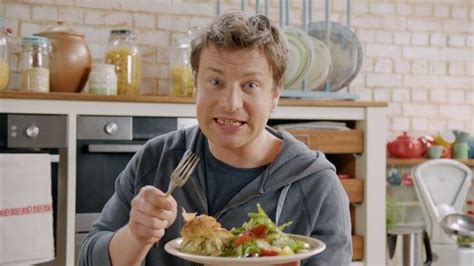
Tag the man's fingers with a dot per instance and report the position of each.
(156, 197)
(149, 221)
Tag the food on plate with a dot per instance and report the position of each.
(203, 235)
(259, 237)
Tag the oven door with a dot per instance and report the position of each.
(99, 163)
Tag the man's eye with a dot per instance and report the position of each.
(251, 85)
(214, 82)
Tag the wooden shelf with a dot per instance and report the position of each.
(354, 188)
(410, 162)
(332, 141)
(357, 247)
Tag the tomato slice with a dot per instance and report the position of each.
(268, 253)
(259, 230)
(244, 237)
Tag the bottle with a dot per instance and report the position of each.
(123, 53)
(103, 79)
(4, 61)
(34, 64)
(181, 74)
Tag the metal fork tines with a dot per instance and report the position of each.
(183, 171)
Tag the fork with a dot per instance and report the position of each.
(183, 171)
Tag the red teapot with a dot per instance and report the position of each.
(407, 147)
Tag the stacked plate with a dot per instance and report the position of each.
(337, 62)
(345, 49)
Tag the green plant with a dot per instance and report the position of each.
(392, 213)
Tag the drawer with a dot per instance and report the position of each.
(354, 188)
(332, 141)
(357, 247)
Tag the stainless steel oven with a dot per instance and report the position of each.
(105, 144)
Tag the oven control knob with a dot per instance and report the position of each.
(32, 131)
(111, 128)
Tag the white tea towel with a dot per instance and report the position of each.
(26, 211)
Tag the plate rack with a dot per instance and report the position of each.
(306, 18)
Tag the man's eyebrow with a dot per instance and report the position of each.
(215, 70)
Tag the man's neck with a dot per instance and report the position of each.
(260, 152)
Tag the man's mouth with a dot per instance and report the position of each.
(229, 122)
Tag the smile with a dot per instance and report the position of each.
(229, 122)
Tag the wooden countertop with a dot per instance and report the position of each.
(170, 99)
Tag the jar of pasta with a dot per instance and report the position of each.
(181, 74)
(4, 68)
(34, 64)
(123, 53)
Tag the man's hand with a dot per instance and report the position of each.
(152, 212)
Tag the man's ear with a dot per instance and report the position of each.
(275, 99)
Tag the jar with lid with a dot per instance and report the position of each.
(34, 64)
(4, 68)
(181, 74)
(103, 79)
(123, 53)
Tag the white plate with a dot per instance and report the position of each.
(319, 70)
(300, 55)
(317, 246)
(346, 52)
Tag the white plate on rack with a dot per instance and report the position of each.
(320, 69)
(300, 55)
(346, 52)
(317, 246)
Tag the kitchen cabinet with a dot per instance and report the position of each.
(362, 154)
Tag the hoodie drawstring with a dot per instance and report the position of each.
(281, 202)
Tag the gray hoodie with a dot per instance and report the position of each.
(300, 185)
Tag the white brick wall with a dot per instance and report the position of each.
(418, 55)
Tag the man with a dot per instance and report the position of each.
(239, 64)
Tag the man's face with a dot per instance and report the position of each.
(234, 96)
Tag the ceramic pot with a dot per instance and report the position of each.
(70, 60)
(407, 147)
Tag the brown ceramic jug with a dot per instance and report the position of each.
(70, 59)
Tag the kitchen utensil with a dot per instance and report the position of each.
(320, 68)
(173, 247)
(445, 138)
(409, 251)
(346, 52)
(461, 136)
(435, 151)
(300, 54)
(442, 186)
(461, 150)
(394, 177)
(183, 171)
(407, 147)
(70, 60)
(458, 224)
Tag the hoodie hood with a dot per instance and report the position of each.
(277, 175)
(295, 153)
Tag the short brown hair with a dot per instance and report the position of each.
(235, 30)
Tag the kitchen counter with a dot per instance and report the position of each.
(171, 99)
(369, 117)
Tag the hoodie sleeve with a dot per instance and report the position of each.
(333, 225)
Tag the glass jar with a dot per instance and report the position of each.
(34, 64)
(4, 68)
(103, 79)
(181, 73)
(123, 53)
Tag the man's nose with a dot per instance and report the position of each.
(232, 98)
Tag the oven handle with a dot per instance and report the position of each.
(113, 148)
